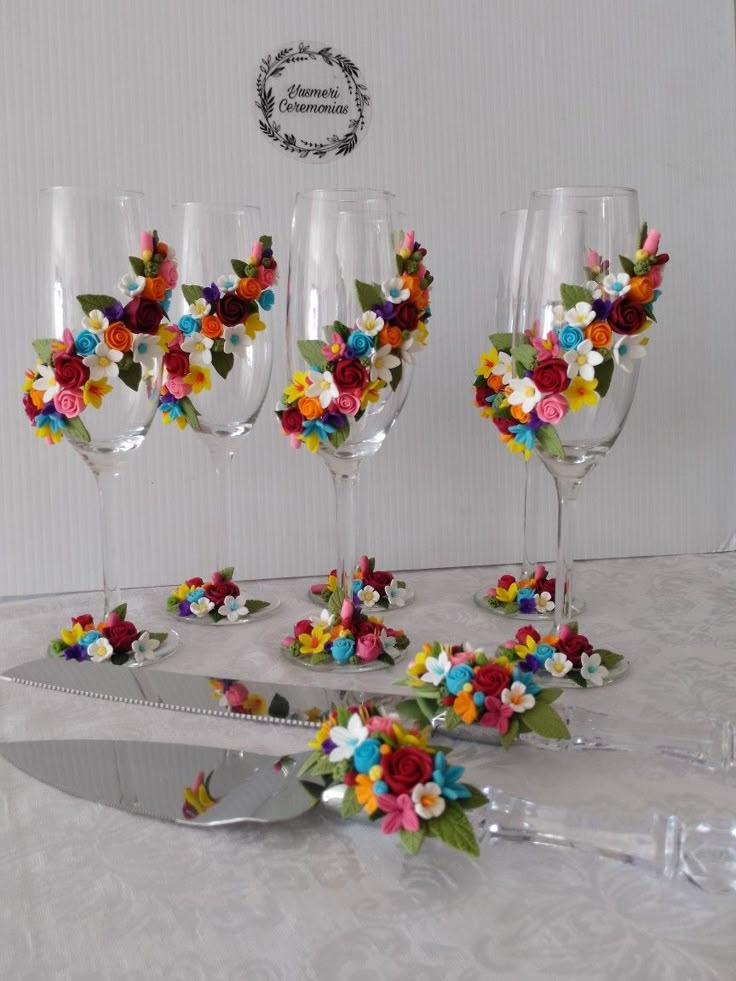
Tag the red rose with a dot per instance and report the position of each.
(364, 627)
(503, 425)
(217, 591)
(405, 768)
(405, 317)
(30, 408)
(84, 620)
(505, 582)
(292, 421)
(574, 647)
(196, 581)
(482, 394)
(142, 316)
(550, 377)
(378, 580)
(627, 316)
(176, 363)
(70, 371)
(350, 375)
(232, 309)
(523, 632)
(491, 679)
(302, 627)
(121, 635)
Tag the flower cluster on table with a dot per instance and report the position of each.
(372, 588)
(535, 594)
(568, 654)
(348, 371)
(114, 639)
(220, 325)
(117, 342)
(219, 599)
(392, 773)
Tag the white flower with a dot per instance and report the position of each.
(436, 669)
(628, 349)
(100, 649)
(227, 283)
(525, 393)
(96, 321)
(394, 291)
(408, 342)
(368, 596)
(592, 670)
(236, 340)
(323, 387)
(146, 349)
(326, 619)
(197, 346)
(369, 323)
(395, 594)
(580, 315)
(504, 367)
(543, 602)
(582, 361)
(103, 363)
(428, 800)
(389, 644)
(518, 697)
(383, 362)
(595, 289)
(144, 649)
(617, 285)
(233, 608)
(347, 739)
(558, 665)
(201, 607)
(200, 308)
(469, 649)
(558, 315)
(131, 285)
(47, 383)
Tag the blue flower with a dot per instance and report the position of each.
(318, 426)
(366, 755)
(544, 651)
(188, 325)
(266, 299)
(86, 639)
(85, 343)
(457, 677)
(357, 585)
(447, 777)
(526, 593)
(342, 649)
(172, 409)
(195, 594)
(569, 337)
(523, 435)
(380, 787)
(526, 678)
(359, 344)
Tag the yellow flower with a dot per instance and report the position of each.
(322, 734)
(312, 442)
(503, 661)
(165, 336)
(198, 378)
(297, 387)
(421, 333)
(313, 643)
(253, 324)
(364, 793)
(404, 737)
(181, 592)
(71, 637)
(582, 392)
(528, 647)
(94, 391)
(371, 391)
(488, 361)
(255, 704)
(507, 595)
(417, 666)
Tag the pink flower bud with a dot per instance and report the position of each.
(346, 613)
(409, 241)
(651, 243)
(257, 251)
(364, 566)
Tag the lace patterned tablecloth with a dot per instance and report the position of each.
(91, 893)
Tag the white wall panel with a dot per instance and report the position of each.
(474, 104)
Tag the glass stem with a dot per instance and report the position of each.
(222, 451)
(567, 494)
(109, 511)
(528, 561)
(345, 474)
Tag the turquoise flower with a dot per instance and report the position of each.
(568, 337)
(266, 299)
(86, 639)
(457, 677)
(526, 593)
(359, 344)
(523, 435)
(85, 343)
(366, 755)
(342, 649)
(318, 426)
(447, 777)
(172, 409)
(527, 679)
(188, 325)
(544, 651)
(195, 594)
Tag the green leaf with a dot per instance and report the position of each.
(543, 720)
(191, 293)
(120, 658)
(172, 603)
(222, 362)
(502, 342)
(254, 605)
(279, 707)
(238, 267)
(190, 413)
(95, 301)
(477, 798)
(130, 374)
(369, 295)
(310, 762)
(643, 232)
(412, 709)
(312, 353)
(604, 374)
(58, 645)
(412, 840)
(386, 658)
(452, 719)
(548, 695)
(77, 430)
(578, 679)
(137, 264)
(609, 659)
(511, 735)
(227, 572)
(524, 355)
(121, 610)
(571, 295)
(43, 349)
(548, 440)
(160, 637)
(453, 827)
(266, 241)
(626, 264)
(322, 766)
(336, 600)
(396, 376)
(350, 804)
(336, 328)
(339, 436)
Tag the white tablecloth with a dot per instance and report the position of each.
(87, 892)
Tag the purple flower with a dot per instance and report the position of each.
(336, 419)
(328, 746)
(528, 663)
(386, 310)
(184, 608)
(602, 308)
(76, 653)
(211, 293)
(113, 312)
(267, 253)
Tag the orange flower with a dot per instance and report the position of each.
(118, 337)
(390, 335)
(248, 288)
(211, 326)
(466, 707)
(155, 289)
(518, 413)
(422, 300)
(641, 289)
(364, 793)
(495, 382)
(599, 334)
(309, 407)
(36, 398)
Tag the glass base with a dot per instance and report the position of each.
(398, 656)
(481, 600)
(376, 610)
(272, 604)
(164, 650)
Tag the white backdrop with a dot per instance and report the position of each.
(474, 104)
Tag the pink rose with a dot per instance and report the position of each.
(69, 402)
(383, 724)
(236, 694)
(178, 387)
(266, 277)
(369, 647)
(169, 273)
(347, 403)
(655, 276)
(552, 408)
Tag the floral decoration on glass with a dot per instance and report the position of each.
(393, 775)
(348, 371)
(114, 639)
(117, 342)
(533, 595)
(219, 599)
(222, 322)
(197, 798)
(458, 684)
(344, 636)
(372, 588)
(568, 655)
(527, 389)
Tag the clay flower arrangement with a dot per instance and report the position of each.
(343, 636)
(567, 655)
(536, 594)
(372, 588)
(455, 684)
(115, 639)
(527, 389)
(348, 371)
(117, 343)
(391, 773)
(223, 320)
(219, 600)
(197, 798)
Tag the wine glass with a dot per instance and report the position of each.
(101, 360)
(218, 309)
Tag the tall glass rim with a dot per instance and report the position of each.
(583, 191)
(93, 192)
(338, 194)
(224, 207)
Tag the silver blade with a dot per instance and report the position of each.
(150, 778)
(292, 705)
